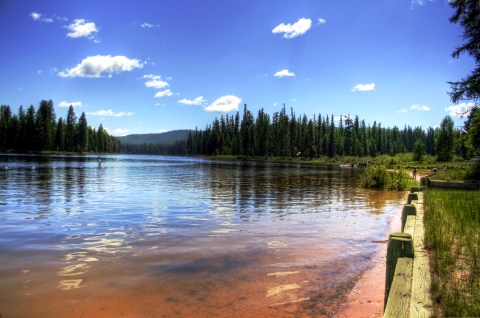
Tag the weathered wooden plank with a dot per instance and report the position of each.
(400, 293)
(420, 197)
(408, 209)
(455, 184)
(421, 303)
(410, 226)
(399, 245)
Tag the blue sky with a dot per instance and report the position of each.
(151, 66)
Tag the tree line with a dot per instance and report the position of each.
(288, 135)
(38, 130)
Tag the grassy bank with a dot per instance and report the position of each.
(452, 234)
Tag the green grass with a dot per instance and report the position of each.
(468, 171)
(452, 234)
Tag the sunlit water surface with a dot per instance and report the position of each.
(148, 236)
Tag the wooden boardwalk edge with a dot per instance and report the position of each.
(409, 294)
(421, 296)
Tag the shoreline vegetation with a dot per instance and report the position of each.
(452, 235)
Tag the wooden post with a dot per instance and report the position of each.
(411, 197)
(416, 189)
(425, 182)
(401, 292)
(399, 245)
(408, 209)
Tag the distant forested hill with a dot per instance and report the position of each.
(169, 137)
(169, 143)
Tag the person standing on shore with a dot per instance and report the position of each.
(414, 173)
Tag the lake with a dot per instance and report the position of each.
(152, 236)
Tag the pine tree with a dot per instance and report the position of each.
(418, 150)
(445, 140)
(468, 15)
(246, 132)
(20, 136)
(472, 127)
(82, 132)
(5, 115)
(45, 123)
(71, 130)
(60, 135)
(31, 137)
(430, 141)
(331, 138)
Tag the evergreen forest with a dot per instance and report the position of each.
(288, 135)
(283, 135)
(40, 131)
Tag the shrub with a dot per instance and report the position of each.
(379, 177)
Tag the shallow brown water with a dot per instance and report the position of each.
(142, 236)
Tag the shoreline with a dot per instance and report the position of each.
(366, 298)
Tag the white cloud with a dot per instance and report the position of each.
(224, 104)
(197, 101)
(97, 66)
(420, 3)
(151, 76)
(293, 30)
(36, 16)
(155, 81)
(364, 87)
(156, 84)
(284, 73)
(40, 17)
(460, 110)
(420, 107)
(68, 104)
(81, 28)
(321, 21)
(64, 19)
(164, 93)
(147, 25)
(117, 131)
(110, 113)
(163, 130)
(337, 118)
(402, 110)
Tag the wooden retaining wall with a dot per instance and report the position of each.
(407, 284)
(450, 184)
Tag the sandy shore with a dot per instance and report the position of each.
(366, 298)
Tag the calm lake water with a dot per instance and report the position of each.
(150, 236)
